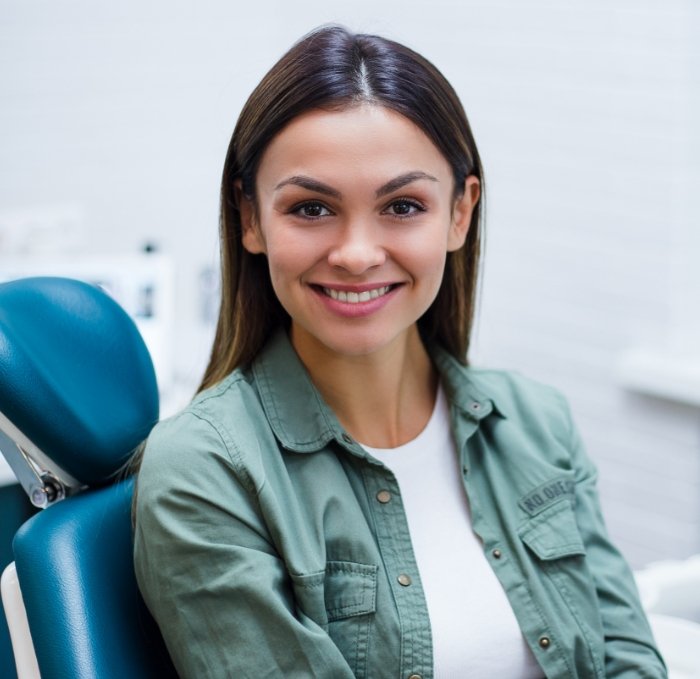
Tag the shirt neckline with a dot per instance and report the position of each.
(425, 433)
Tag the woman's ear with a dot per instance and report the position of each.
(251, 235)
(462, 213)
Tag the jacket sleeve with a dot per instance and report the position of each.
(208, 572)
(630, 650)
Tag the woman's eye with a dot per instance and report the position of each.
(404, 208)
(311, 210)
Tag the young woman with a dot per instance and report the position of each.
(345, 497)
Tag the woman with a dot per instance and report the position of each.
(345, 497)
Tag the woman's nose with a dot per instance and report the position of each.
(358, 248)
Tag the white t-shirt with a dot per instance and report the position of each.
(474, 629)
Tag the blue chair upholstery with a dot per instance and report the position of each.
(75, 375)
(77, 381)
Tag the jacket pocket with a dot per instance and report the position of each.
(553, 534)
(560, 565)
(342, 600)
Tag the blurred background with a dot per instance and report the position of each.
(114, 124)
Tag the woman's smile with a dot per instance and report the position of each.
(356, 295)
(356, 301)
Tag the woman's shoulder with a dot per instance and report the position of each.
(521, 397)
(213, 431)
(535, 416)
(509, 392)
(512, 385)
(209, 410)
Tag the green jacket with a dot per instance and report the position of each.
(263, 550)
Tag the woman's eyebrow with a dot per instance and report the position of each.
(310, 184)
(319, 187)
(401, 181)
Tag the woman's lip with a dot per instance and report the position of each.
(355, 288)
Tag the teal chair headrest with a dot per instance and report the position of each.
(75, 375)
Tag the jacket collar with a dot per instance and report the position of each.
(301, 419)
(476, 402)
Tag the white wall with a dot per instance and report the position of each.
(583, 110)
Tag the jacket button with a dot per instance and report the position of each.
(415, 676)
(384, 496)
(404, 580)
(545, 642)
(497, 554)
(347, 438)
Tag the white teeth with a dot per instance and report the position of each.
(355, 297)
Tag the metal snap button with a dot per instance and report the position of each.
(384, 496)
(415, 676)
(545, 642)
(347, 438)
(404, 580)
(497, 554)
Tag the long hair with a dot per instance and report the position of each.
(331, 69)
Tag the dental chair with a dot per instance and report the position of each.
(77, 394)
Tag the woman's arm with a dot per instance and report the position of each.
(630, 651)
(209, 573)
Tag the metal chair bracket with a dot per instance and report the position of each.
(43, 485)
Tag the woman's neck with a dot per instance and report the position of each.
(383, 399)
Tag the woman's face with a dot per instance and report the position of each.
(355, 213)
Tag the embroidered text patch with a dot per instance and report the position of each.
(546, 495)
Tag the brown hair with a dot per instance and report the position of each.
(331, 69)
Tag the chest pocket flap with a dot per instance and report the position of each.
(351, 589)
(345, 589)
(553, 534)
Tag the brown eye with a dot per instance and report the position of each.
(404, 208)
(311, 210)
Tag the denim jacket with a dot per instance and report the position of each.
(268, 543)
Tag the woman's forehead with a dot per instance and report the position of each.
(361, 142)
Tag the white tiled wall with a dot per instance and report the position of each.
(585, 112)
